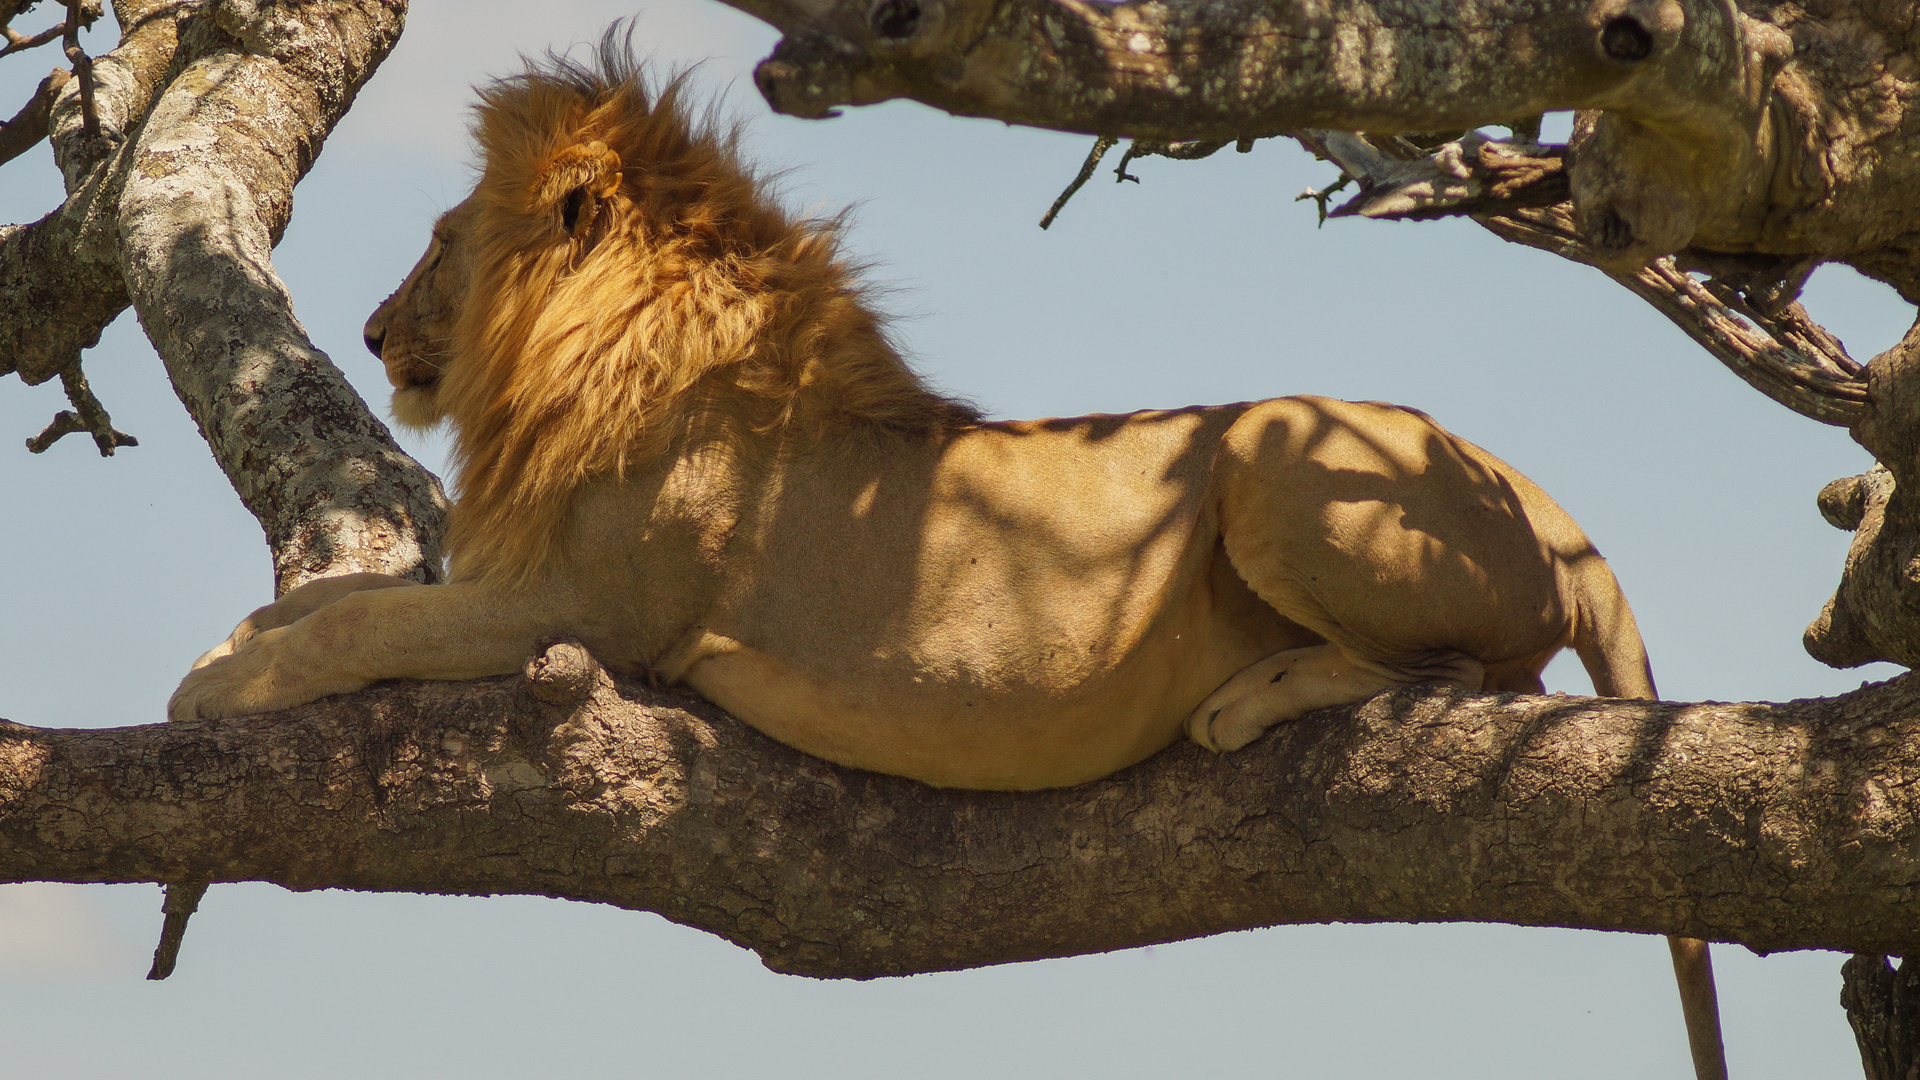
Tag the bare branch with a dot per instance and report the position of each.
(1883, 1006)
(1709, 126)
(1786, 356)
(207, 188)
(29, 125)
(60, 281)
(90, 417)
(1100, 147)
(17, 42)
(180, 902)
(1473, 174)
(1221, 71)
(1745, 316)
(81, 13)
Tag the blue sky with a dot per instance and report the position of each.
(1204, 283)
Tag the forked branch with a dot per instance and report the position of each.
(89, 416)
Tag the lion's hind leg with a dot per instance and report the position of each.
(1290, 684)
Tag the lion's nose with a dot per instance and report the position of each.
(374, 343)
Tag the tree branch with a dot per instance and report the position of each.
(1777, 826)
(60, 281)
(1786, 356)
(88, 415)
(29, 125)
(1685, 86)
(208, 193)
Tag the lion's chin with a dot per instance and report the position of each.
(417, 407)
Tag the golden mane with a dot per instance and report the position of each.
(584, 346)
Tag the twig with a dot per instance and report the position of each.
(18, 42)
(90, 416)
(1321, 196)
(1786, 356)
(1179, 151)
(1100, 147)
(1139, 148)
(82, 13)
(29, 125)
(179, 903)
(1746, 315)
(88, 12)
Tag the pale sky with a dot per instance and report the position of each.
(1204, 283)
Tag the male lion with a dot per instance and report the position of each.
(685, 440)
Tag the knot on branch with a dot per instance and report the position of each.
(563, 674)
(265, 27)
(1883, 1007)
(1872, 613)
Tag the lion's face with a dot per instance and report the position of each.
(412, 330)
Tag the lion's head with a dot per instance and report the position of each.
(616, 269)
(412, 330)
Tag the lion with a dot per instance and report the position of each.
(684, 439)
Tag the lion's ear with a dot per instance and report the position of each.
(575, 182)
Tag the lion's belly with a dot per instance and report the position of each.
(1010, 697)
(987, 728)
(1020, 606)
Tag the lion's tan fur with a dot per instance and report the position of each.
(698, 292)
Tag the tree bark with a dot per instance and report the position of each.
(1780, 136)
(1883, 1006)
(209, 193)
(209, 116)
(1776, 826)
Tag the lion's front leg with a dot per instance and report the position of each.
(425, 632)
(296, 605)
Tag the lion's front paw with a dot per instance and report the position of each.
(241, 682)
(210, 692)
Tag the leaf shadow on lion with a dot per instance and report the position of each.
(684, 439)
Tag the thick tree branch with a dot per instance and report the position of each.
(1685, 85)
(208, 193)
(1777, 826)
(1240, 67)
(60, 281)
(1733, 127)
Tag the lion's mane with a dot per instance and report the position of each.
(691, 300)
